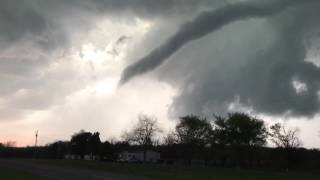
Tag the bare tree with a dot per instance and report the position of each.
(284, 137)
(144, 132)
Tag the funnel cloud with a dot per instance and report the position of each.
(259, 71)
(204, 24)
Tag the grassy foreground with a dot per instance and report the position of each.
(161, 172)
(11, 174)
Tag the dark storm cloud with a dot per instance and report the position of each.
(256, 71)
(152, 8)
(50, 24)
(43, 19)
(26, 21)
(204, 24)
(17, 20)
(270, 73)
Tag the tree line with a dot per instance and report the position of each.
(236, 140)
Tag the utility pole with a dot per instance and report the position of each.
(36, 143)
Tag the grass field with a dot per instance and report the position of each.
(10, 174)
(162, 172)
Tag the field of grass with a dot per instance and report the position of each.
(160, 172)
(11, 174)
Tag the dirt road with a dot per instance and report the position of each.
(50, 172)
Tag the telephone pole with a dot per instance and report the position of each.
(36, 143)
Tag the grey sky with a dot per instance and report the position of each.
(61, 61)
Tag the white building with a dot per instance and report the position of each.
(138, 156)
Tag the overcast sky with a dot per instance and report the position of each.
(96, 65)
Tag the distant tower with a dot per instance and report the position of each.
(36, 143)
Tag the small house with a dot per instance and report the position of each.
(138, 156)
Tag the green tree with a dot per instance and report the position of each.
(79, 142)
(194, 134)
(194, 130)
(58, 149)
(93, 144)
(107, 151)
(239, 129)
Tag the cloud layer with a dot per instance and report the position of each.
(60, 62)
(255, 74)
(38, 38)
